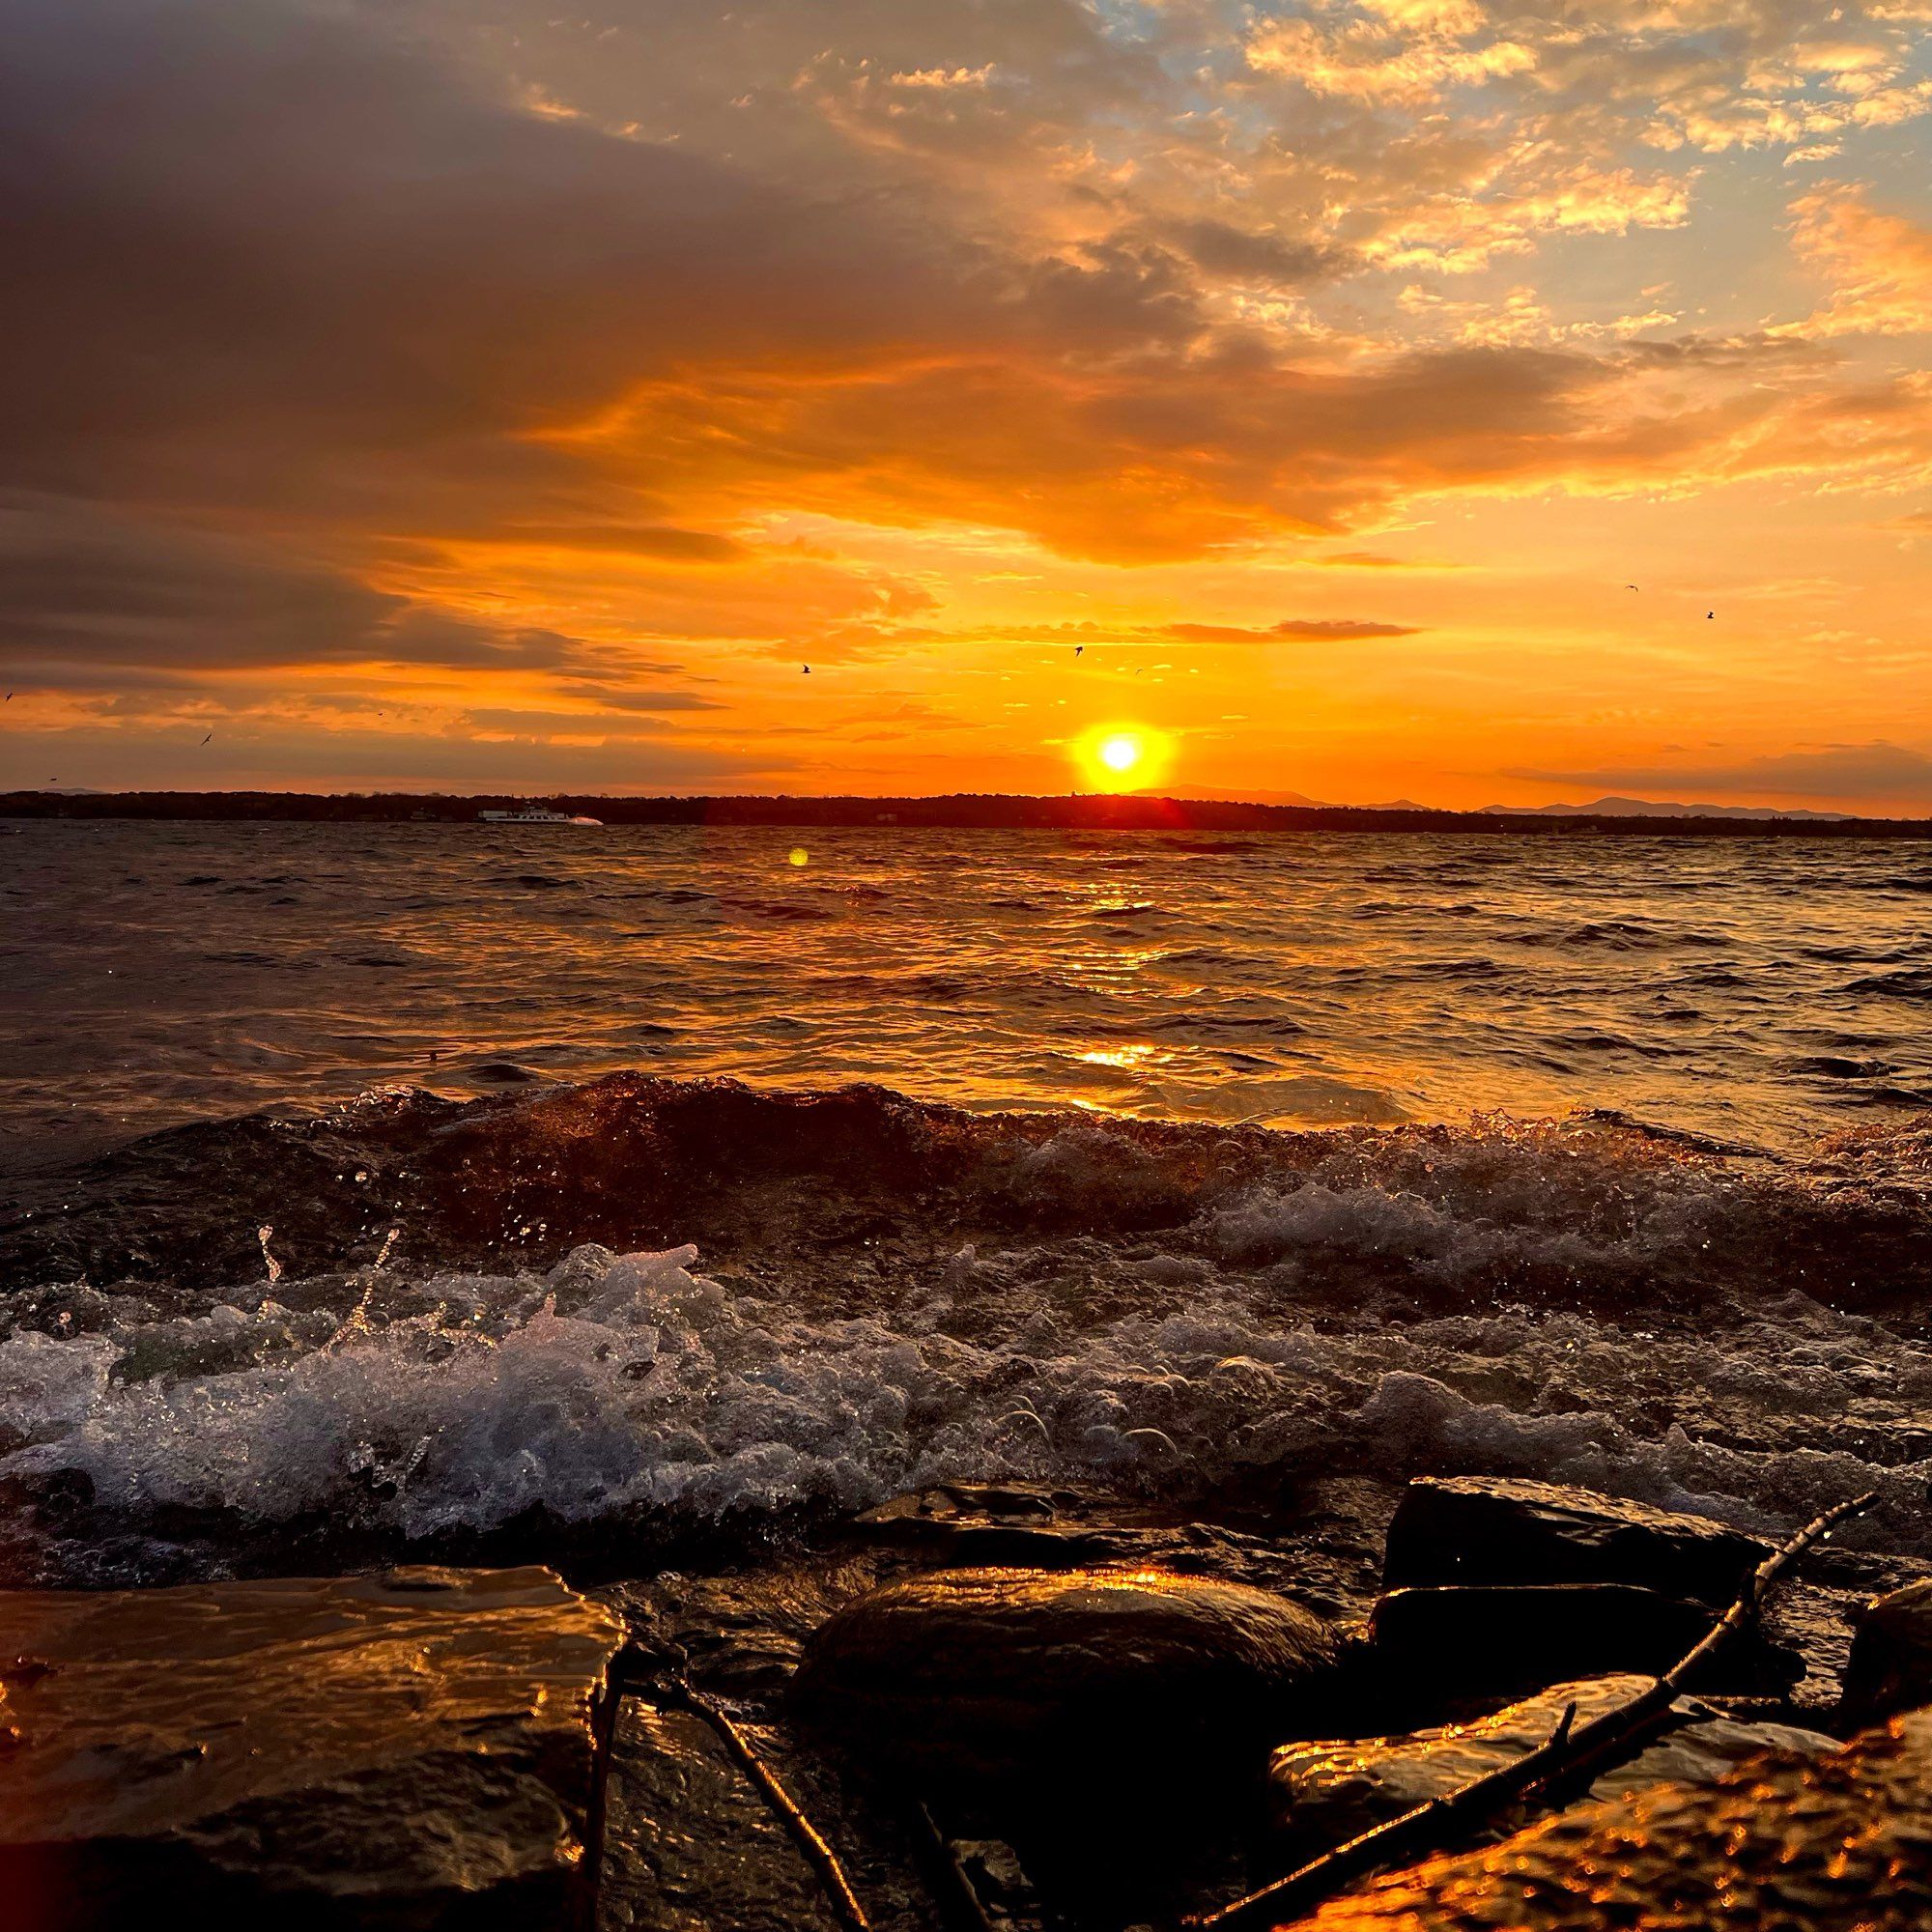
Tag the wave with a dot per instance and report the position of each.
(890, 1294)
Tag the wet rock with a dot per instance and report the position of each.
(998, 1676)
(1891, 1665)
(1804, 1844)
(689, 1843)
(1494, 1530)
(1023, 1523)
(410, 1750)
(1324, 1793)
(1479, 1641)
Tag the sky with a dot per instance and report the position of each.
(1467, 400)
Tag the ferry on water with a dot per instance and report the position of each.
(535, 814)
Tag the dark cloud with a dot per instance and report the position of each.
(243, 757)
(633, 699)
(93, 592)
(1251, 255)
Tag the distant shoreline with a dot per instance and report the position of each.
(959, 811)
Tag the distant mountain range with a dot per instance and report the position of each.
(1602, 808)
(1650, 807)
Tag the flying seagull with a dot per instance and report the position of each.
(1078, 648)
(1630, 587)
(808, 670)
(1708, 614)
(209, 735)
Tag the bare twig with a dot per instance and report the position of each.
(820, 1856)
(967, 1908)
(1568, 1757)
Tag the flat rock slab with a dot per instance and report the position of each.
(403, 1752)
(690, 1846)
(1010, 1675)
(1497, 1529)
(1323, 1792)
(1803, 1844)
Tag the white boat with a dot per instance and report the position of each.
(535, 814)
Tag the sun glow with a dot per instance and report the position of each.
(1122, 757)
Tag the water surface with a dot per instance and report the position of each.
(1766, 991)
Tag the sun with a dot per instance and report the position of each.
(1122, 756)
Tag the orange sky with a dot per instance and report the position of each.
(468, 396)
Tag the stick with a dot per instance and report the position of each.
(1557, 1763)
(969, 1910)
(820, 1856)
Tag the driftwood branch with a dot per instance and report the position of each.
(1570, 1756)
(961, 1905)
(819, 1855)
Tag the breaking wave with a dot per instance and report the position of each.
(891, 1295)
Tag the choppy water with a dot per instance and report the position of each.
(634, 1303)
(1765, 991)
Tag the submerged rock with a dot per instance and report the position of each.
(1804, 1844)
(1891, 1665)
(992, 1676)
(1023, 1523)
(408, 1750)
(1496, 1530)
(1324, 1793)
(1479, 1641)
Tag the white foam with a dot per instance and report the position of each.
(631, 1383)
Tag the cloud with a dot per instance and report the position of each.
(1875, 771)
(1879, 265)
(96, 591)
(1295, 630)
(494, 346)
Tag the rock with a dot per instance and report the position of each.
(1011, 1676)
(1481, 1640)
(1804, 1844)
(1494, 1530)
(1324, 1793)
(1021, 1523)
(410, 1750)
(1891, 1665)
(689, 1842)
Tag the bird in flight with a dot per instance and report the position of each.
(1708, 614)
(1630, 587)
(1078, 648)
(209, 735)
(808, 670)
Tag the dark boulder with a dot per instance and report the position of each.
(1508, 1639)
(1891, 1666)
(409, 1751)
(1010, 1676)
(1496, 1530)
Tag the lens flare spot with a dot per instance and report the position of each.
(798, 856)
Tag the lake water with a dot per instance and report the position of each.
(473, 1292)
(1758, 990)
